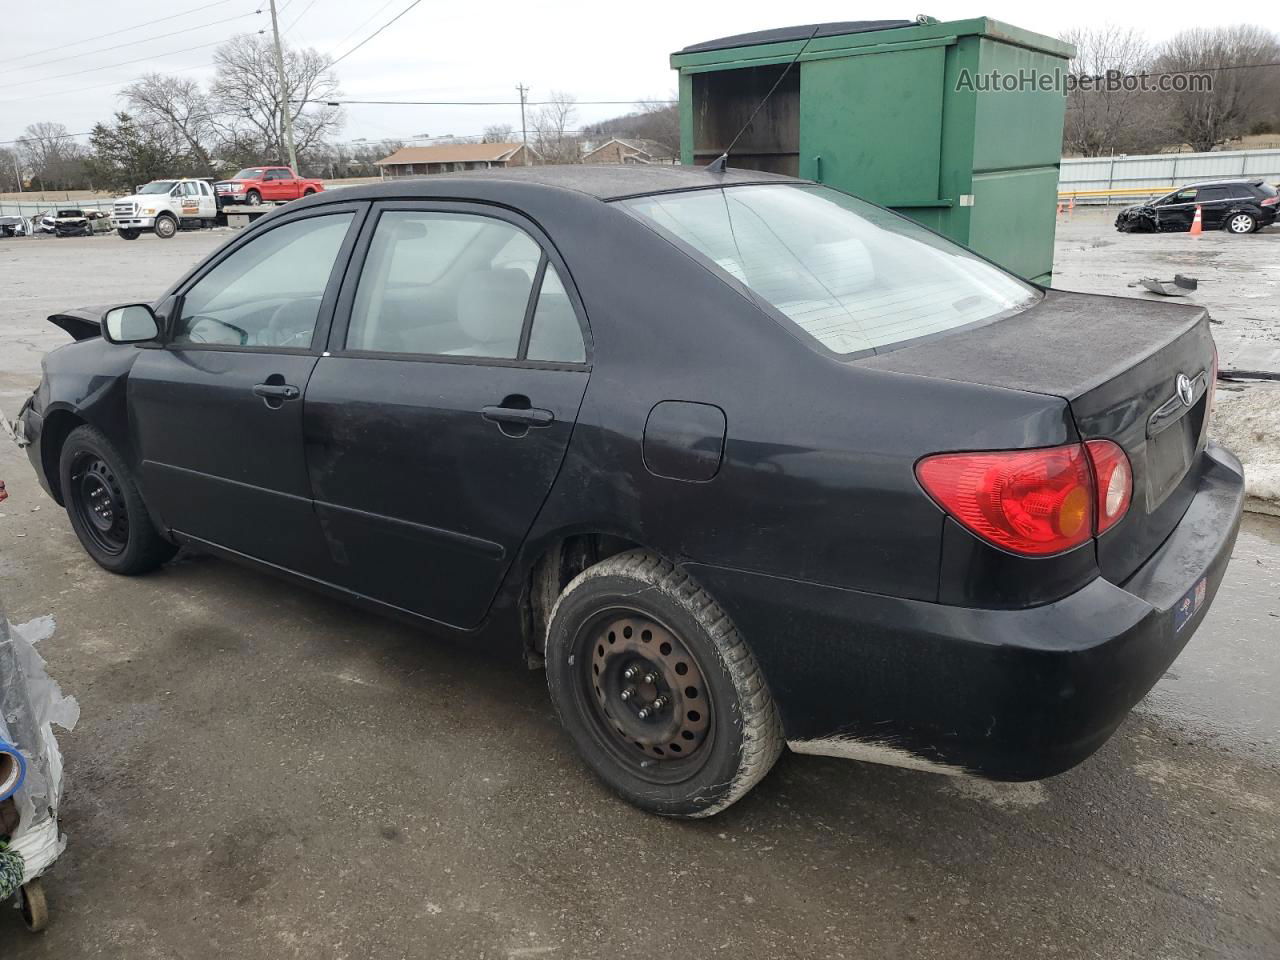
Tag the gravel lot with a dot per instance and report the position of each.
(262, 773)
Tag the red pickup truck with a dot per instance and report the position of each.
(255, 185)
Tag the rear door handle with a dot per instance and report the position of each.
(533, 417)
(276, 391)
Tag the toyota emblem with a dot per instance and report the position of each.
(1186, 392)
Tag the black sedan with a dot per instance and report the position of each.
(1236, 206)
(744, 460)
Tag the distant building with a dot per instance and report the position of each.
(455, 157)
(629, 150)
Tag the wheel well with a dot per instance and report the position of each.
(559, 563)
(57, 427)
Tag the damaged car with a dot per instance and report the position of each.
(745, 462)
(15, 227)
(71, 222)
(1236, 206)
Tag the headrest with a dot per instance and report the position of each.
(491, 305)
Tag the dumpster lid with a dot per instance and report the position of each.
(802, 32)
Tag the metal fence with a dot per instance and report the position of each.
(1124, 179)
(13, 207)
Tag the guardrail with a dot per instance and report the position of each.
(1104, 179)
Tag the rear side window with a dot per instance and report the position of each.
(1210, 194)
(268, 292)
(555, 334)
(852, 276)
(460, 285)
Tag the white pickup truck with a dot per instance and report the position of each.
(163, 207)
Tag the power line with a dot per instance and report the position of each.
(196, 118)
(482, 103)
(299, 17)
(123, 63)
(132, 43)
(375, 33)
(363, 23)
(116, 33)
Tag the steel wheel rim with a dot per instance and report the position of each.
(165, 227)
(99, 503)
(1240, 224)
(674, 739)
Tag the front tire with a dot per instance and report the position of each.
(1241, 223)
(657, 688)
(129, 233)
(105, 507)
(166, 227)
(253, 198)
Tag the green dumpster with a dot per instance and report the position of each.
(957, 125)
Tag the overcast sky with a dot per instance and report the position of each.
(455, 50)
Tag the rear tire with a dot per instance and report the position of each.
(1241, 223)
(105, 507)
(129, 234)
(166, 227)
(635, 623)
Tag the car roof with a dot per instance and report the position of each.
(1251, 181)
(602, 181)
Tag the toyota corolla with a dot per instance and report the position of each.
(746, 462)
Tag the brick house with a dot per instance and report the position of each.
(455, 157)
(630, 150)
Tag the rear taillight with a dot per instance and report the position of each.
(1271, 201)
(1032, 502)
(1113, 480)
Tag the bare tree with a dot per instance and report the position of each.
(1240, 92)
(1105, 118)
(52, 157)
(498, 133)
(552, 127)
(246, 79)
(179, 106)
(10, 170)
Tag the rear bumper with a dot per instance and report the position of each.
(1003, 694)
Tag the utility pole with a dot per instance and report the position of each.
(284, 92)
(16, 172)
(524, 131)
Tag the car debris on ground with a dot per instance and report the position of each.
(1179, 286)
(30, 765)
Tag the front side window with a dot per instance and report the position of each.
(852, 276)
(456, 285)
(268, 292)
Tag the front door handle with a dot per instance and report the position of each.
(526, 417)
(274, 394)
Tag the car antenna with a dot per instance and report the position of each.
(719, 163)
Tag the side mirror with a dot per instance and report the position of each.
(134, 323)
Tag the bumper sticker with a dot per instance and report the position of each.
(1190, 603)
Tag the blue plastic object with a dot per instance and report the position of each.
(13, 770)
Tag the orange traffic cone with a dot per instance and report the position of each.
(1059, 208)
(1071, 207)
(1197, 223)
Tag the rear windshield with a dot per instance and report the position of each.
(854, 277)
(1266, 189)
(248, 173)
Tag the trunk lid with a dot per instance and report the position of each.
(1119, 363)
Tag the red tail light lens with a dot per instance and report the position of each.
(1032, 502)
(1271, 201)
(1114, 482)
